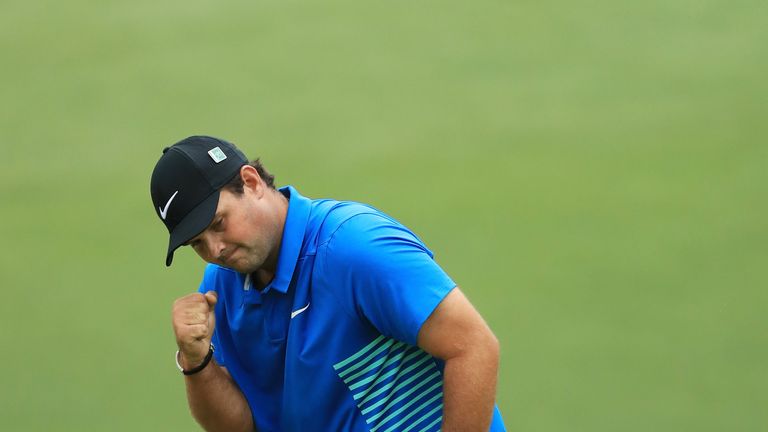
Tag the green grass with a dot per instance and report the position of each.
(593, 176)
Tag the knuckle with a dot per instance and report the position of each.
(188, 302)
(191, 298)
(196, 317)
(199, 331)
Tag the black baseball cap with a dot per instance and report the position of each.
(186, 184)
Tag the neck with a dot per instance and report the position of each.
(266, 273)
(261, 278)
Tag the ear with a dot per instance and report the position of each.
(252, 180)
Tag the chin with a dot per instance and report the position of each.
(242, 267)
(238, 268)
(245, 264)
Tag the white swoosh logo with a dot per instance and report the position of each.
(296, 312)
(164, 212)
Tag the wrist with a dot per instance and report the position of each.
(189, 360)
(192, 366)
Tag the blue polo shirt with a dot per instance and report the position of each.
(330, 343)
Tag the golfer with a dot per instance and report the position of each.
(314, 315)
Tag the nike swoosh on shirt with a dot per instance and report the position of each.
(298, 311)
(164, 211)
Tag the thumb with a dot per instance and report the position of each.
(212, 298)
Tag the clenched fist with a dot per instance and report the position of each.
(193, 324)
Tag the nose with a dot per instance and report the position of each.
(214, 247)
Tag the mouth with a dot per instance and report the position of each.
(226, 255)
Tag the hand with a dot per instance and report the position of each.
(193, 324)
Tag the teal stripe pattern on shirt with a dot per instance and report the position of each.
(396, 386)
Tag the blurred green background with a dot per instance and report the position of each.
(593, 175)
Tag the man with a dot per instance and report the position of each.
(314, 315)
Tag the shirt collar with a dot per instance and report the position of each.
(293, 238)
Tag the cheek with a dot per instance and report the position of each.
(253, 230)
(202, 254)
(242, 234)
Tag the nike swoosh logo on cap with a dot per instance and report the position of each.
(164, 212)
(296, 312)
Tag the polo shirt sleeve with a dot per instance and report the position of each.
(211, 282)
(384, 274)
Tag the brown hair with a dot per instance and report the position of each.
(236, 184)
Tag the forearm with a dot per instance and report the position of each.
(216, 402)
(469, 389)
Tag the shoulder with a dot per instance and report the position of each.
(344, 217)
(362, 234)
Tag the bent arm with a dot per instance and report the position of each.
(457, 334)
(216, 402)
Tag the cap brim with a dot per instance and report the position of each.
(195, 222)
